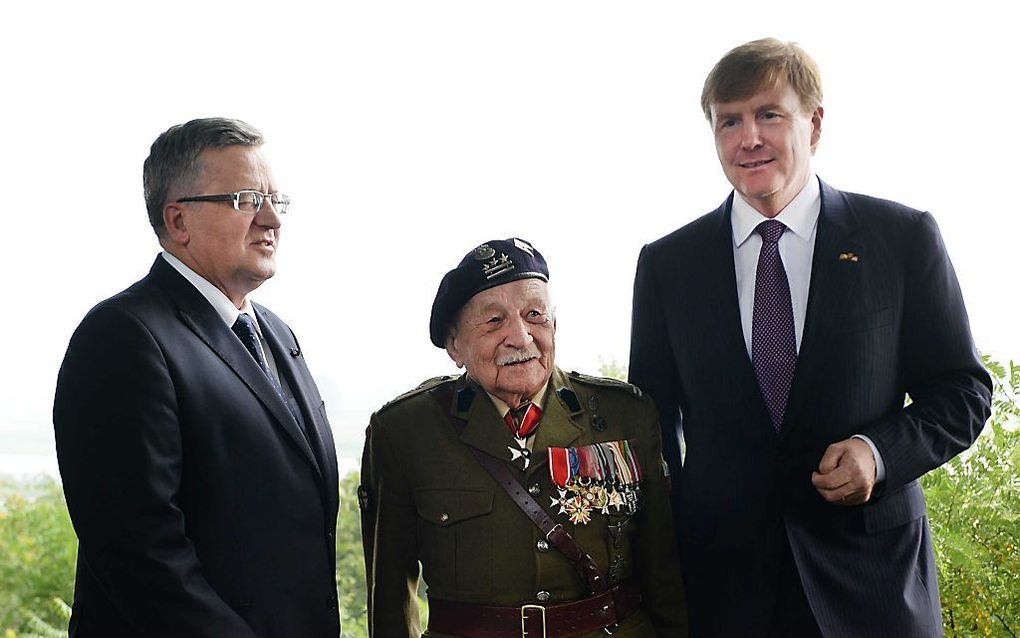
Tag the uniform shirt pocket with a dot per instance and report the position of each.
(455, 540)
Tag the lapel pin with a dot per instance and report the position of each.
(294, 352)
(854, 257)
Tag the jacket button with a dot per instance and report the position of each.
(543, 596)
(542, 545)
(444, 517)
(535, 489)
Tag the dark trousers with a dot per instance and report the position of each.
(792, 617)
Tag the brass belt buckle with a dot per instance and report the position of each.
(524, 619)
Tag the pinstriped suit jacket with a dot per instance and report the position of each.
(889, 324)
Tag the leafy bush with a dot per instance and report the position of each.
(350, 561)
(37, 556)
(974, 510)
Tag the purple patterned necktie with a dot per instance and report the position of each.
(773, 341)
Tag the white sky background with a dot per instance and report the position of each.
(407, 133)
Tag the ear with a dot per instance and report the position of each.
(176, 225)
(451, 349)
(816, 127)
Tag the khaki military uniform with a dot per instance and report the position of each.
(425, 498)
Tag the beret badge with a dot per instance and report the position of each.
(497, 266)
(483, 252)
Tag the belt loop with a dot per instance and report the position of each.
(524, 619)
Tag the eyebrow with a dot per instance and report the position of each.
(772, 106)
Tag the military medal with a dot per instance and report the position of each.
(520, 453)
(603, 477)
(522, 421)
(579, 510)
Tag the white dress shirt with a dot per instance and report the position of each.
(796, 249)
(225, 308)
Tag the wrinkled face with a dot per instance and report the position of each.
(235, 251)
(504, 337)
(765, 144)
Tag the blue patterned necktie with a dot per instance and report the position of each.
(773, 340)
(244, 328)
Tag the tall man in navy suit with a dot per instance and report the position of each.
(780, 335)
(196, 458)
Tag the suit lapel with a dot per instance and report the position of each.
(285, 354)
(199, 316)
(721, 305)
(832, 284)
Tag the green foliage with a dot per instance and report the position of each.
(37, 556)
(974, 509)
(612, 369)
(350, 561)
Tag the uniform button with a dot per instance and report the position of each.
(542, 545)
(444, 517)
(543, 596)
(535, 489)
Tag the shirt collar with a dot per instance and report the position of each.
(503, 408)
(800, 215)
(223, 306)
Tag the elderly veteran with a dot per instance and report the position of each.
(534, 500)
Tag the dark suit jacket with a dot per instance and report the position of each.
(890, 323)
(200, 506)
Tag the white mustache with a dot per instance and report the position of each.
(519, 356)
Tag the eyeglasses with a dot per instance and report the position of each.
(246, 201)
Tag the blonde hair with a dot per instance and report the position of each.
(759, 65)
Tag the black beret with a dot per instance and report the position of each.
(492, 264)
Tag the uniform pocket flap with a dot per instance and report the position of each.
(446, 507)
(893, 510)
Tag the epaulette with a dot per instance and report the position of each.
(607, 382)
(424, 386)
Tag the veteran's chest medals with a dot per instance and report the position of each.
(603, 477)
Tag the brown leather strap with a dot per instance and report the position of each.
(554, 532)
(558, 620)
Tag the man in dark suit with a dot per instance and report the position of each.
(196, 457)
(780, 334)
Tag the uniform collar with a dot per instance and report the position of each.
(539, 399)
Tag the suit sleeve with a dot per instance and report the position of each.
(388, 532)
(119, 448)
(662, 587)
(940, 369)
(652, 365)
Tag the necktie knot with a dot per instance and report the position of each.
(523, 419)
(244, 328)
(770, 230)
(244, 325)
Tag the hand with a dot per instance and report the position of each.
(846, 473)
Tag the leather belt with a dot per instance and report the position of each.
(560, 620)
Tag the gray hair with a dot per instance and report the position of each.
(173, 158)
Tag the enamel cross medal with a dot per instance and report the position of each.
(521, 452)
